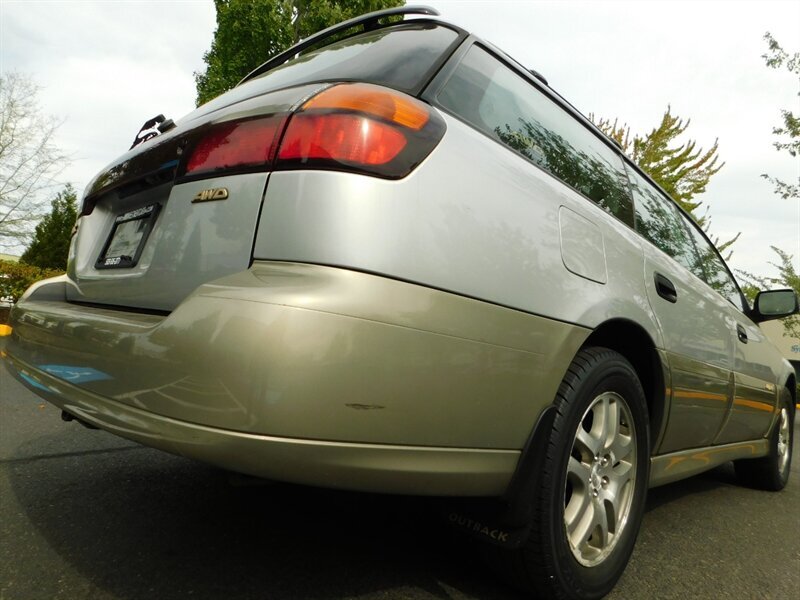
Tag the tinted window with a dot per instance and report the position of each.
(671, 231)
(710, 267)
(659, 221)
(398, 57)
(504, 105)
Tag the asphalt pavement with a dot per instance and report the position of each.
(86, 515)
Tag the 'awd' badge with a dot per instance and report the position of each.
(212, 194)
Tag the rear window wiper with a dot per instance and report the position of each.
(151, 128)
(368, 21)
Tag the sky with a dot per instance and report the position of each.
(105, 67)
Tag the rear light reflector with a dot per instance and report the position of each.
(237, 144)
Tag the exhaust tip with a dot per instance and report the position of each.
(65, 416)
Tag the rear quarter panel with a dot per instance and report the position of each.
(474, 219)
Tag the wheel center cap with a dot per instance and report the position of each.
(594, 478)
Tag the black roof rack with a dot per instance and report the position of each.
(369, 21)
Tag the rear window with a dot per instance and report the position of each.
(398, 57)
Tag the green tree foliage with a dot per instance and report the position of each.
(682, 169)
(50, 244)
(250, 31)
(789, 132)
(15, 278)
(787, 277)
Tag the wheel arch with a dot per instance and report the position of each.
(635, 344)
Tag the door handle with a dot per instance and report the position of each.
(665, 288)
(741, 333)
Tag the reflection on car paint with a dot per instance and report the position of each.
(75, 374)
(35, 383)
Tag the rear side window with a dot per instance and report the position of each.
(397, 57)
(658, 221)
(505, 106)
(710, 267)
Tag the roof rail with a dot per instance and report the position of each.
(369, 21)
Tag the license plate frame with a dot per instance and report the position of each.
(128, 236)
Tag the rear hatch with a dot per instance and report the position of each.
(159, 222)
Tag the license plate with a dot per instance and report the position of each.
(127, 238)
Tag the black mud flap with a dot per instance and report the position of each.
(485, 524)
(506, 521)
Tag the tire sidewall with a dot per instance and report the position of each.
(614, 374)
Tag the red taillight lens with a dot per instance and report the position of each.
(363, 128)
(343, 138)
(237, 144)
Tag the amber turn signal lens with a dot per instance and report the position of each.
(373, 100)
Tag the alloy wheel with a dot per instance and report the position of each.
(601, 476)
(784, 440)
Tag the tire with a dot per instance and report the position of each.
(584, 463)
(771, 472)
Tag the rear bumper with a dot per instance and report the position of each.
(308, 374)
(367, 467)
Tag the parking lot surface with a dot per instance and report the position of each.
(86, 515)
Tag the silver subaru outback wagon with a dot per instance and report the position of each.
(393, 259)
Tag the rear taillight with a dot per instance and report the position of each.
(348, 127)
(237, 144)
(340, 138)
